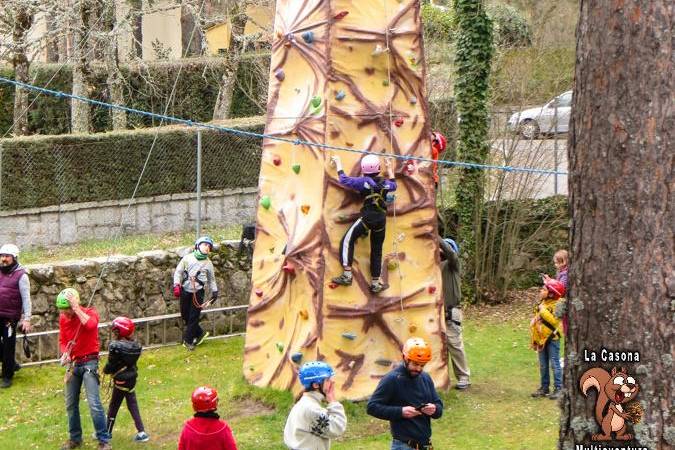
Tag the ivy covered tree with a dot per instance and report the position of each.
(473, 60)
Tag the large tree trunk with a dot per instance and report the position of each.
(23, 20)
(81, 111)
(621, 199)
(114, 76)
(235, 49)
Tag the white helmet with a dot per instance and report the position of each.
(10, 249)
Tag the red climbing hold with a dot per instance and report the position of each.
(276, 160)
(398, 122)
(289, 268)
(259, 292)
(340, 15)
(431, 289)
(332, 285)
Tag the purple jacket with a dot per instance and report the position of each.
(562, 277)
(363, 185)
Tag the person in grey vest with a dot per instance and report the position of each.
(15, 307)
(453, 313)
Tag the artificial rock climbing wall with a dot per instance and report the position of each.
(350, 74)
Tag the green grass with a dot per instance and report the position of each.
(495, 413)
(126, 245)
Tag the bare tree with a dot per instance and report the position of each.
(81, 111)
(111, 59)
(621, 197)
(23, 14)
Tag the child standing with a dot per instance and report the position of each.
(560, 260)
(193, 272)
(123, 355)
(309, 424)
(545, 335)
(373, 189)
(205, 430)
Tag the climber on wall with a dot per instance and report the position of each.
(438, 146)
(373, 189)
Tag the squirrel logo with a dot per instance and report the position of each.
(614, 390)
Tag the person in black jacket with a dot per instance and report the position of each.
(123, 356)
(407, 398)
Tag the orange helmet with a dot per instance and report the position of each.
(417, 350)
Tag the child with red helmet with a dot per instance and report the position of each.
(373, 189)
(206, 430)
(438, 146)
(545, 332)
(123, 355)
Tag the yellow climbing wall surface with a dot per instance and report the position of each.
(347, 74)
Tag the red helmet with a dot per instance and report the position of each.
(439, 140)
(124, 326)
(204, 399)
(556, 288)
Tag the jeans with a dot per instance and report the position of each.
(86, 373)
(399, 445)
(550, 355)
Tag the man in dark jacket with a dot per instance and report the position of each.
(407, 398)
(453, 312)
(15, 306)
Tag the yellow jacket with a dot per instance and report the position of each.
(544, 323)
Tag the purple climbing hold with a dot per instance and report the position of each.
(279, 74)
(308, 37)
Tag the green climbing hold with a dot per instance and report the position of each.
(315, 102)
(296, 168)
(385, 83)
(383, 362)
(265, 201)
(280, 346)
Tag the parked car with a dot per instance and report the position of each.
(532, 122)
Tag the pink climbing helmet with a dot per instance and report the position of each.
(370, 164)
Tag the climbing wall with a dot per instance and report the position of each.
(347, 74)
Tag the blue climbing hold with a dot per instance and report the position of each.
(349, 335)
(308, 37)
(340, 95)
(390, 198)
(296, 357)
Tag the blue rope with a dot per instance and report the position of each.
(235, 131)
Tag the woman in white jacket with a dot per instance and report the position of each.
(310, 426)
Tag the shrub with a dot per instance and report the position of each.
(438, 23)
(511, 29)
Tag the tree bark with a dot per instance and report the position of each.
(235, 49)
(23, 20)
(622, 283)
(114, 76)
(81, 111)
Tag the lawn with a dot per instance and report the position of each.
(495, 413)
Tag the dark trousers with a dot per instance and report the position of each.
(190, 315)
(132, 404)
(8, 347)
(355, 231)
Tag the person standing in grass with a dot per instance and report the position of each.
(192, 274)
(123, 355)
(205, 431)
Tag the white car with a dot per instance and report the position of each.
(552, 118)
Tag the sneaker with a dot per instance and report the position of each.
(541, 392)
(345, 279)
(104, 445)
(378, 287)
(189, 347)
(141, 436)
(463, 384)
(201, 339)
(17, 367)
(5, 383)
(71, 444)
(555, 395)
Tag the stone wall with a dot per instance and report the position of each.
(68, 223)
(137, 286)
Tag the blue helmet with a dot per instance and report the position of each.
(453, 244)
(203, 239)
(314, 372)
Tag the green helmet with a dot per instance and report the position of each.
(62, 300)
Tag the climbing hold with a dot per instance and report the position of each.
(289, 268)
(304, 209)
(349, 335)
(296, 357)
(392, 264)
(315, 101)
(279, 74)
(379, 50)
(287, 44)
(276, 160)
(412, 328)
(297, 90)
(280, 346)
(409, 167)
(351, 364)
(370, 70)
(251, 368)
(385, 83)
(340, 15)
(339, 95)
(304, 314)
(332, 285)
(265, 201)
(342, 217)
(296, 168)
(390, 197)
(271, 249)
(349, 144)
(431, 289)
(278, 34)
(259, 292)
(398, 122)
(413, 100)
(383, 362)
(308, 37)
